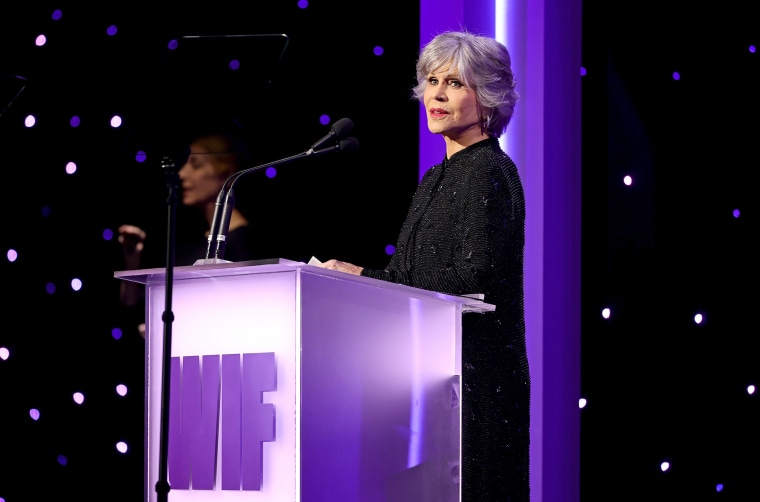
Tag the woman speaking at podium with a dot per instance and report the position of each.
(464, 233)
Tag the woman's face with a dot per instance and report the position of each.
(452, 108)
(200, 178)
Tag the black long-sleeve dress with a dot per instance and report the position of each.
(464, 234)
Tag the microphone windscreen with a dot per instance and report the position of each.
(349, 144)
(343, 127)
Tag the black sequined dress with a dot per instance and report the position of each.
(465, 233)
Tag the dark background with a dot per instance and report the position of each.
(659, 387)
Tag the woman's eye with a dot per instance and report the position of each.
(432, 81)
(455, 83)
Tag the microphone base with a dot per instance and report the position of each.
(210, 261)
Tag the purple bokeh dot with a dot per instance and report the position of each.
(57, 14)
(116, 333)
(140, 156)
(378, 51)
(75, 121)
(234, 64)
(108, 234)
(271, 172)
(390, 249)
(302, 4)
(111, 30)
(50, 288)
(172, 44)
(324, 119)
(62, 459)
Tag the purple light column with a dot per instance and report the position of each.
(544, 38)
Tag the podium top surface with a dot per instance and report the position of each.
(273, 265)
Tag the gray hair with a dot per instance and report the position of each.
(483, 64)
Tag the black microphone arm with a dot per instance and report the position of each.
(225, 201)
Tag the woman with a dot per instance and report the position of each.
(465, 233)
(213, 157)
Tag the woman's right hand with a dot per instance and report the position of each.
(132, 240)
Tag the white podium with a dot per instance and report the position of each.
(290, 382)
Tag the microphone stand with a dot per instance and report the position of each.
(172, 183)
(225, 201)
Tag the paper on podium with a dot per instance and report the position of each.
(314, 261)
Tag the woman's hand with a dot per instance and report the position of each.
(342, 266)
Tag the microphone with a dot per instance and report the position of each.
(220, 222)
(339, 130)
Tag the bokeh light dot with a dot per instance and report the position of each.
(34, 413)
(583, 71)
(71, 167)
(75, 121)
(4, 353)
(141, 156)
(736, 213)
(698, 318)
(271, 172)
(40, 40)
(676, 75)
(116, 333)
(111, 30)
(378, 51)
(390, 249)
(172, 44)
(752, 49)
(719, 487)
(63, 460)
(107, 234)
(121, 447)
(121, 390)
(12, 255)
(606, 312)
(750, 389)
(78, 397)
(29, 121)
(234, 64)
(664, 466)
(582, 403)
(57, 14)
(45, 211)
(50, 288)
(302, 4)
(324, 119)
(115, 121)
(76, 284)
(628, 180)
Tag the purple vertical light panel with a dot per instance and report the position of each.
(259, 375)
(544, 39)
(231, 451)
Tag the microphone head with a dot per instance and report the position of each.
(349, 144)
(343, 127)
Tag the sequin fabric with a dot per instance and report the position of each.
(465, 233)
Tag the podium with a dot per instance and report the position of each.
(290, 382)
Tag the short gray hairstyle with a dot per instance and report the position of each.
(483, 64)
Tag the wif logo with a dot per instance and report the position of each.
(229, 388)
